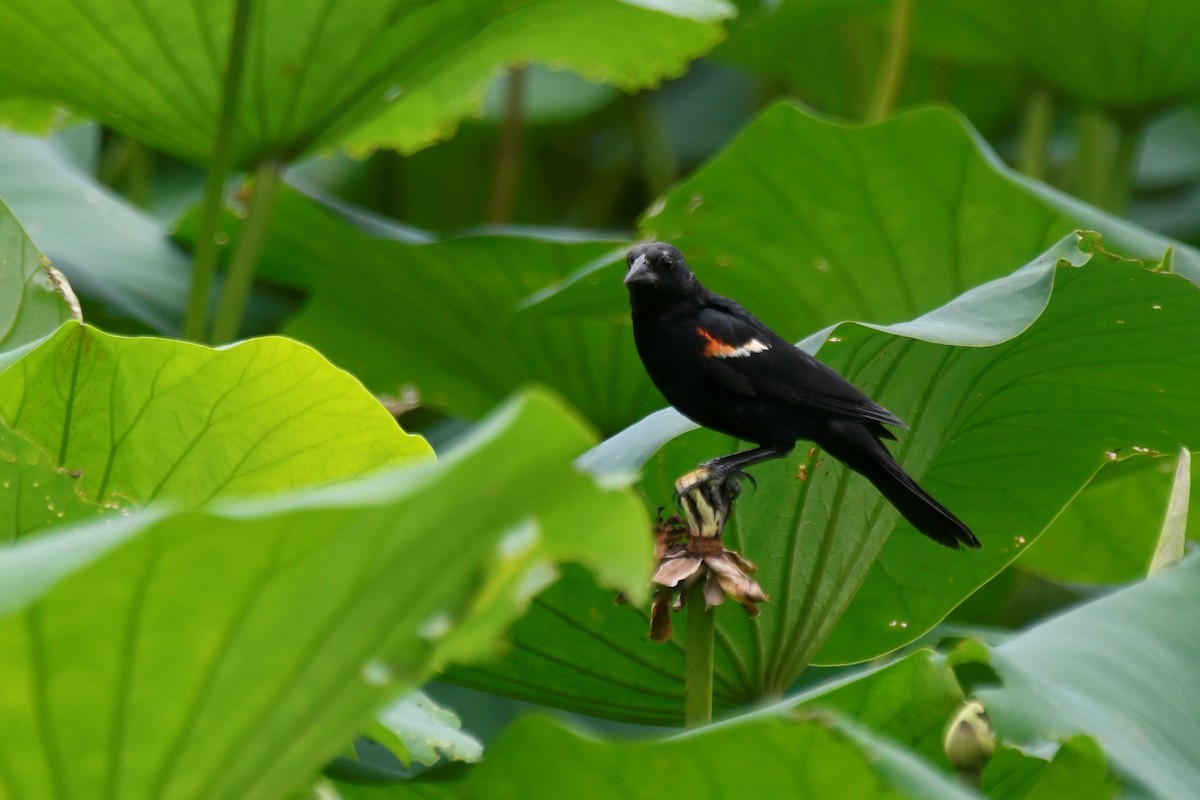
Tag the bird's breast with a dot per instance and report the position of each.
(673, 353)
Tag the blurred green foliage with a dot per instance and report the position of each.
(456, 184)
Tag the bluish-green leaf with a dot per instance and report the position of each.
(1122, 670)
(110, 250)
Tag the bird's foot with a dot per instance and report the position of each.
(706, 497)
(722, 473)
(725, 480)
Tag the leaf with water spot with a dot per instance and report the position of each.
(1109, 533)
(143, 418)
(36, 494)
(316, 71)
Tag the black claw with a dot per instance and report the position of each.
(731, 478)
(715, 495)
(729, 489)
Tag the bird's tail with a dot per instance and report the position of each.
(856, 446)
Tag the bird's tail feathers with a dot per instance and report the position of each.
(866, 455)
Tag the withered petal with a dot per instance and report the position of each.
(745, 564)
(675, 551)
(735, 582)
(714, 595)
(673, 570)
(660, 617)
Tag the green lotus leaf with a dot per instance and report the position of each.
(316, 72)
(139, 419)
(228, 652)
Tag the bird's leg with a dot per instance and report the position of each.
(734, 465)
(706, 494)
(706, 503)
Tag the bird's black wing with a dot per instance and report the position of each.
(750, 358)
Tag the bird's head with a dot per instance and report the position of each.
(659, 268)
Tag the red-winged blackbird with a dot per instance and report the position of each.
(722, 368)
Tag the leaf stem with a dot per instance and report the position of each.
(1106, 152)
(204, 263)
(891, 75)
(227, 322)
(1092, 164)
(504, 180)
(1035, 134)
(1124, 165)
(126, 166)
(659, 161)
(698, 660)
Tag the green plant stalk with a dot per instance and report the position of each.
(1035, 134)
(1106, 153)
(698, 660)
(204, 263)
(235, 294)
(139, 177)
(891, 75)
(504, 180)
(855, 54)
(114, 160)
(1124, 165)
(659, 163)
(126, 167)
(1092, 167)
(390, 170)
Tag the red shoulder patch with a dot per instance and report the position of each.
(715, 348)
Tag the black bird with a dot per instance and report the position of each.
(722, 368)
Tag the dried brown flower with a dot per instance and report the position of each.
(725, 572)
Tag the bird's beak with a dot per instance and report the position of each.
(639, 272)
